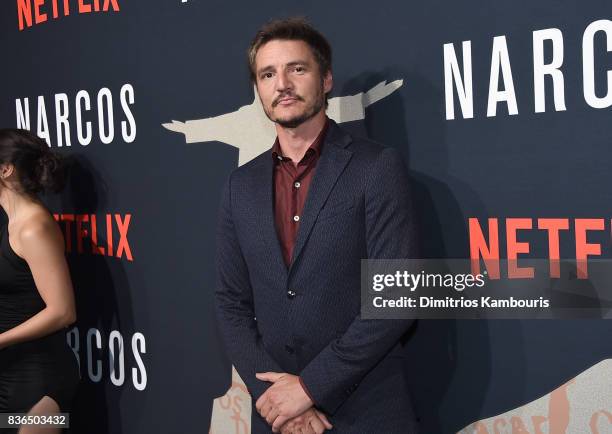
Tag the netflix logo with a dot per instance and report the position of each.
(32, 12)
(485, 243)
(105, 235)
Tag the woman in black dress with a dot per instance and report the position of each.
(38, 371)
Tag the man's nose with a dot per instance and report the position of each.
(283, 82)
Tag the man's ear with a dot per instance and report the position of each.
(328, 82)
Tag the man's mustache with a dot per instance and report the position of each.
(286, 95)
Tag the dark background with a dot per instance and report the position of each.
(187, 61)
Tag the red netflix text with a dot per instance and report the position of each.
(105, 235)
(31, 12)
(485, 243)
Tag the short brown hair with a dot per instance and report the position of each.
(292, 29)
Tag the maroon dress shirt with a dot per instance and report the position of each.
(291, 185)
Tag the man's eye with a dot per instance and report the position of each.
(266, 75)
(299, 69)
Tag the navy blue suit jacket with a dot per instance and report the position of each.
(305, 319)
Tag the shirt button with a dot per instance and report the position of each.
(297, 184)
(296, 218)
(290, 293)
(289, 349)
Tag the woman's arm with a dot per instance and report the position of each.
(41, 244)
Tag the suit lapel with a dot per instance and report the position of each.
(334, 158)
(264, 209)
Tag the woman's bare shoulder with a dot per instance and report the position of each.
(39, 227)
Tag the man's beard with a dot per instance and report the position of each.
(299, 119)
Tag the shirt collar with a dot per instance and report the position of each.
(315, 147)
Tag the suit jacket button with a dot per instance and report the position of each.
(289, 349)
(290, 293)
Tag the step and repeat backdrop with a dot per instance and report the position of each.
(502, 111)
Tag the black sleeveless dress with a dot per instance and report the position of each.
(34, 369)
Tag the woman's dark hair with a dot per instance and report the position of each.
(39, 170)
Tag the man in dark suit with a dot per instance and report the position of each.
(294, 224)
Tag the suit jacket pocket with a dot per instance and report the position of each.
(334, 209)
